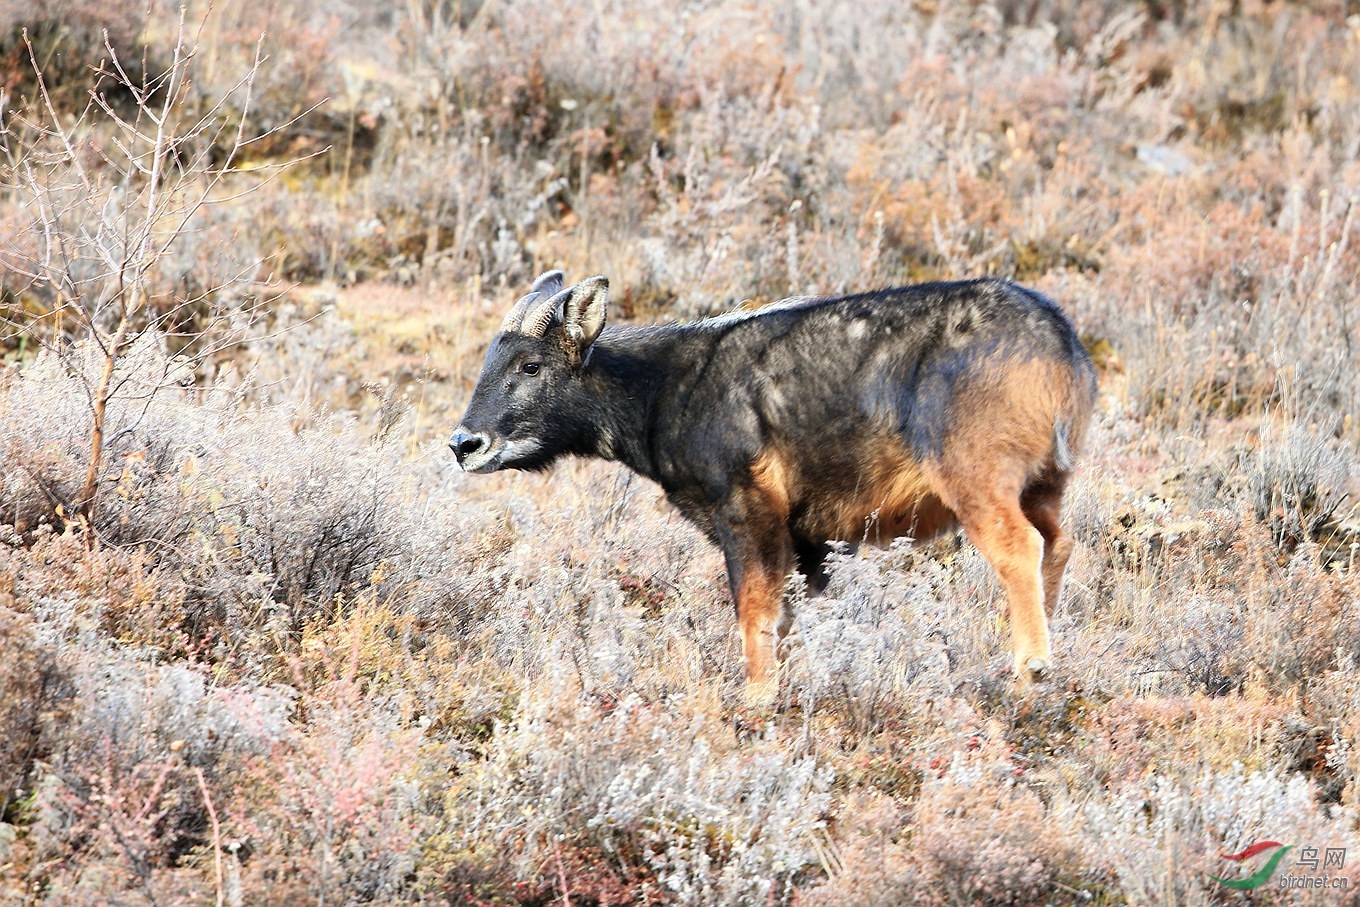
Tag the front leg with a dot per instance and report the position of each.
(760, 557)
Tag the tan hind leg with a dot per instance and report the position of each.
(998, 527)
(1042, 506)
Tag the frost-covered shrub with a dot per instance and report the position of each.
(1164, 834)
(266, 521)
(879, 641)
(658, 790)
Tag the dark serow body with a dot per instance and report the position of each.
(904, 412)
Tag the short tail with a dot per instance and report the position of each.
(1073, 417)
(1063, 456)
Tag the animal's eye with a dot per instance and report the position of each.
(529, 368)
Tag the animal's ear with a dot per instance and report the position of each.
(583, 314)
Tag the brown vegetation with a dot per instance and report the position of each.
(278, 648)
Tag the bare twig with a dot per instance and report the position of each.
(216, 832)
(561, 873)
(105, 215)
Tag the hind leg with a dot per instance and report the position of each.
(1042, 505)
(991, 516)
(811, 559)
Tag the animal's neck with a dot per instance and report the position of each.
(627, 371)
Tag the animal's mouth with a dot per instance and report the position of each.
(495, 455)
(485, 459)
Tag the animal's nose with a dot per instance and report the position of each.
(465, 444)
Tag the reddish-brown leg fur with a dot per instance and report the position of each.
(760, 558)
(1014, 548)
(987, 475)
(1042, 504)
(986, 499)
(760, 606)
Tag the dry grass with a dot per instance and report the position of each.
(293, 653)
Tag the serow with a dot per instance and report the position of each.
(902, 412)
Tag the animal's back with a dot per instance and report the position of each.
(861, 402)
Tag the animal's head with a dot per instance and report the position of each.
(526, 409)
